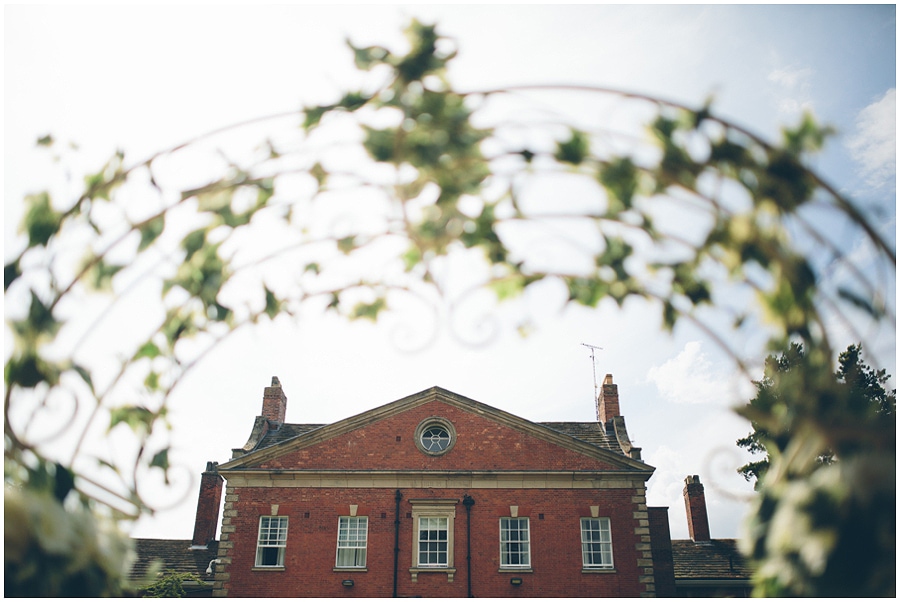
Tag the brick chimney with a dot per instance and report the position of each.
(208, 506)
(695, 507)
(608, 400)
(274, 403)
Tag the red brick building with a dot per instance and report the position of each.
(433, 495)
(439, 495)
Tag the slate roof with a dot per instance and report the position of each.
(175, 554)
(714, 559)
(589, 432)
(286, 431)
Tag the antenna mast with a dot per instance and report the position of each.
(594, 365)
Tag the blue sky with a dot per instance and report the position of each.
(145, 78)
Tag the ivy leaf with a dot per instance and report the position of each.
(41, 221)
(63, 482)
(152, 381)
(11, 271)
(148, 349)
(265, 191)
(381, 144)
(508, 288)
(369, 311)
(193, 242)
(574, 150)
(101, 274)
(84, 374)
(347, 244)
(368, 57)
(320, 174)
(807, 137)
(40, 318)
(138, 418)
(29, 371)
(587, 291)
(161, 460)
(100, 184)
(412, 258)
(619, 177)
(353, 100)
(670, 315)
(334, 303)
(273, 305)
(150, 231)
(313, 115)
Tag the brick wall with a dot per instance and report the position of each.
(695, 508)
(208, 502)
(481, 444)
(555, 543)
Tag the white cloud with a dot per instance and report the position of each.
(792, 89)
(691, 378)
(791, 79)
(874, 141)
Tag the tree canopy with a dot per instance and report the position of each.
(860, 402)
(442, 173)
(825, 520)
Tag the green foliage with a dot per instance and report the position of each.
(824, 522)
(853, 401)
(449, 177)
(52, 548)
(171, 585)
(574, 150)
(41, 220)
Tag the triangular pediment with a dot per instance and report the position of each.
(485, 438)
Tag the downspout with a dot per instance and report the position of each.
(397, 497)
(468, 502)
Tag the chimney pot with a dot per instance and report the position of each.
(695, 508)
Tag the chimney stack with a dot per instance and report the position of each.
(608, 400)
(695, 507)
(274, 403)
(208, 506)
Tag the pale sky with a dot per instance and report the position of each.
(146, 78)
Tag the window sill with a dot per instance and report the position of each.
(268, 569)
(601, 571)
(511, 569)
(414, 572)
(350, 569)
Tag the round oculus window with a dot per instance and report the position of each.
(435, 439)
(435, 436)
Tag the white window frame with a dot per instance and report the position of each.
(273, 531)
(428, 509)
(601, 537)
(506, 542)
(438, 525)
(353, 537)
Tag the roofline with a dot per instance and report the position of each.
(427, 472)
(393, 408)
(714, 582)
(416, 479)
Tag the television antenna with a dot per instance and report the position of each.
(594, 365)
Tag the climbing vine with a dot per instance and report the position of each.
(369, 200)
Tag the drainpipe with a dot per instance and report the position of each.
(468, 502)
(397, 497)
